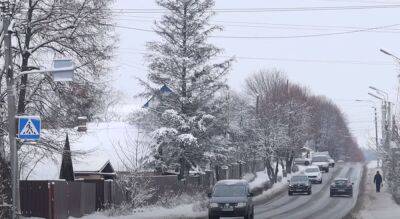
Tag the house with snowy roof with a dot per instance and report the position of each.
(96, 154)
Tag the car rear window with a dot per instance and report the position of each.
(312, 170)
(299, 178)
(341, 182)
(320, 159)
(229, 191)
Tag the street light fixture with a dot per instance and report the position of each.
(375, 122)
(369, 101)
(375, 96)
(390, 54)
(381, 92)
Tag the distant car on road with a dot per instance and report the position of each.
(299, 184)
(314, 174)
(231, 198)
(326, 153)
(322, 161)
(341, 186)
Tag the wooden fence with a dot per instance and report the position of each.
(60, 199)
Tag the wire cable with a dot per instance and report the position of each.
(278, 37)
(259, 10)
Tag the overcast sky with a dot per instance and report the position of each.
(340, 66)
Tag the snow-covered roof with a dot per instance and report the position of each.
(104, 142)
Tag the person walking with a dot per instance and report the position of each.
(378, 181)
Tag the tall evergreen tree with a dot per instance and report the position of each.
(67, 170)
(184, 61)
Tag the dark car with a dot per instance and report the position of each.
(299, 184)
(341, 186)
(231, 198)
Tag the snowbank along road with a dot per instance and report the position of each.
(317, 205)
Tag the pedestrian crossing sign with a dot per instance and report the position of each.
(29, 128)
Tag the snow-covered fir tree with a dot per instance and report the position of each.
(184, 61)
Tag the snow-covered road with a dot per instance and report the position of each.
(317, 205)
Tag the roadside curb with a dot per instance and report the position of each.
(360, 198)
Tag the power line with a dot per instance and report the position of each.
(277, 37)
(351, 62)
(259, 10)
(305, 35)
(274, 26)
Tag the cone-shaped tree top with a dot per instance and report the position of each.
(67, 170)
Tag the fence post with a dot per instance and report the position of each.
(51, 200)
(224, 172)
(209, 178)
(217, 176)
(240, 169)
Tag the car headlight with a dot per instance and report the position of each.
(241, 204)
(214, 205)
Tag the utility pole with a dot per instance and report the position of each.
(376, 133)
(8, 68)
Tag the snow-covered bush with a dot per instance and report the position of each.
(136, 191)
(199, 200)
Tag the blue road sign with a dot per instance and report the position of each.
(29, 128)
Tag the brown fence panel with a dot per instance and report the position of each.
(117, 195)
(107, 186)
(88, 197)
(74, 199)
(34, 196)
(100, 193)
(60, 200)
(57, 199)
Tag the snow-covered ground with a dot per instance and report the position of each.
(377, 205)
(181, 211)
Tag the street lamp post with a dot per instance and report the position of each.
(376, 125)
(386, 123)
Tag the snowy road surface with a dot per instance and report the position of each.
(316, 205)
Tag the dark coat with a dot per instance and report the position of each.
(378, 178)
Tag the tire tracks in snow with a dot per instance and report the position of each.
(333, 202)
(316, 196)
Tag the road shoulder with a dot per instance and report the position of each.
(375, 205)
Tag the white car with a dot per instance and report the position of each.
(302, 161)
(314, 174)
(326, 153)
(321, 161)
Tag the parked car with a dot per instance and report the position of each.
(231, 198)
(341, 186)
(326, 153)
(302, 161)
(321, 161)
(314, 174)
(299, 184)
